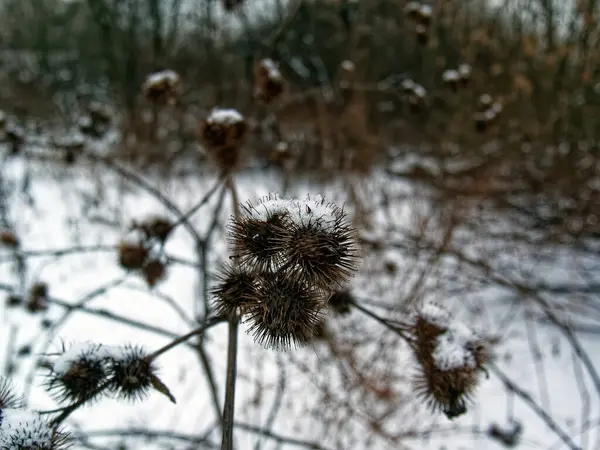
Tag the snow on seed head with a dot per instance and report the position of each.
(22, 429)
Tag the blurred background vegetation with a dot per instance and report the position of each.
(519, 129)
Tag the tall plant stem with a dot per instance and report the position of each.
(229, 404)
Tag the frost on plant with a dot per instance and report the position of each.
(24, 429)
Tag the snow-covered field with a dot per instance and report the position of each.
(351, 392)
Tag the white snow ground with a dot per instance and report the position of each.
(52, 213)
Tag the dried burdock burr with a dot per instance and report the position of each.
(411, 10)
(133, 374)
(450, 358)
(235, 288)
(24, 429)
(424, 15)
(451, 79)
(9, 239)
(484, 101)
(38, 298)
(154, 227)
(163, 87)
(285, 312)
(341, 302)
(9, 399)
(132, 255)
(408, 86)
(223, 133)
(464, 72)
(323, 246)
(258, 236)
(79, 373)
(154, 271)
(268, 81)
(422, 33)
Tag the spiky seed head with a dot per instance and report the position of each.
(268, 81)
(235, 288)
(132, 255)
(411, 10)
(9, 239)
(341, 302)
(163, 87)
(323, 246)
(223, 134)
(257, 237)
(154, 271)
(285, 311)
(38, 298)
(450, 357)
(424, 14)
(22, 429)
(132, 373)
(155, 227)
(9, 398)
(422, 33)
(79, 375)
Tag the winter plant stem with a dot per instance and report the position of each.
(229, 404)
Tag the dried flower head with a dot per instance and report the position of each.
(411, 10)
(223, 133)
(38, 298)
(341, 302)
(258, 235)
(132, 255)
(484, 101)
(8, 396)
(424, 15)
(9, 239)
(451, 78)
(22, 429)
(284, 312)
(235, 288)
(132, 373)
(450, 357)
(163, 87)
(268, 81)
(154, 271)
(79, 373)
(422, 33)
(464, 71)
(155, 227)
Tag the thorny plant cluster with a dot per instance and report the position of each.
(290, 260)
